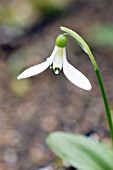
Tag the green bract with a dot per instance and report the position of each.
(78, 39)
(61, 41)
(81, 42)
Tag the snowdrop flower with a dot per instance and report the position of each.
(58, 61)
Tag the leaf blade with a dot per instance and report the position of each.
(81, 152)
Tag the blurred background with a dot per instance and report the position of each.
(32, 108)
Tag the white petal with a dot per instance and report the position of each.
(51, 58)
(34, 70)
(38, 68)
(58, 60)
(75, 76)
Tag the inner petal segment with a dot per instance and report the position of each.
(58, 61)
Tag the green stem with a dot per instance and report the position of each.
(86, 48)
(108, 113)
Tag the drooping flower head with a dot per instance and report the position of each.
(58, 61)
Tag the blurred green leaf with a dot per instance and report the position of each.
(16, 63)
(81, 152)
(50, 7)
(101, 35)
(20, 88)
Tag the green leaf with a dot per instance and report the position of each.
(101, 35)
(80, 151)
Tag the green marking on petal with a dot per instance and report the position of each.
(56, 70)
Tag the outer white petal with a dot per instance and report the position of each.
(38, 68)
(75, 76)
